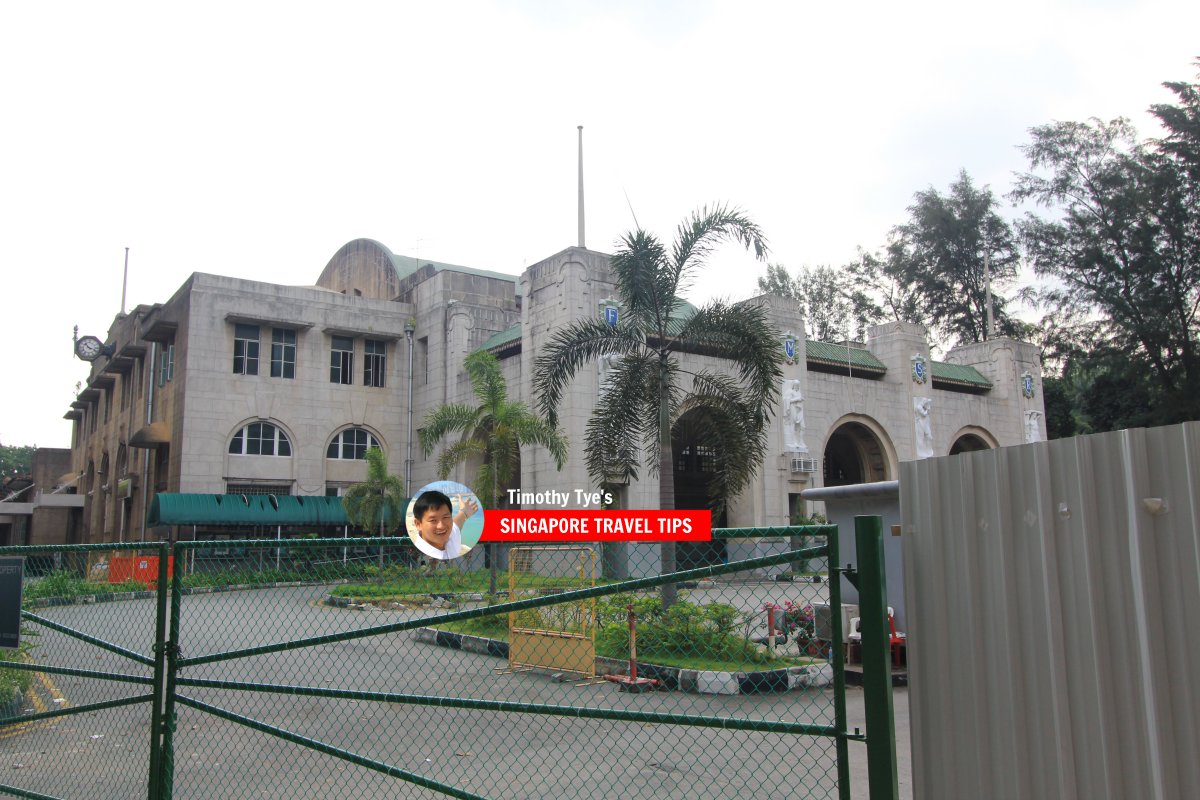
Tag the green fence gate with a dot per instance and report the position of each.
(326, 668)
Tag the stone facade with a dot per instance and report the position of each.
(165, 411)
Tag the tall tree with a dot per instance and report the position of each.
(1124, 248)
(779, 282)
(835, 304)
(1182, 124)
(493, 431)
(884, 279)
(648, 388)
(377, 501)
(15, 460)
(943, 256)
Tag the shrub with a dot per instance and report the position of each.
(69, 586)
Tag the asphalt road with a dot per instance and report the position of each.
(504, 755)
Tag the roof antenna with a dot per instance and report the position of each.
(581, 244)
(636, 224)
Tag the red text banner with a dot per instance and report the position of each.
(596, 526)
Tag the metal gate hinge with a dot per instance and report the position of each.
(851, 575)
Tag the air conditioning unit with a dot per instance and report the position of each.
(804, 465)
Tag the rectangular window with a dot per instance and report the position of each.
(374, 362)
(260, 440)
(341, 360)
(245, 350)
(283, 353)
(166, 365)
(421, 362)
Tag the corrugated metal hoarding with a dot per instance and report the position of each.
(1053, 595)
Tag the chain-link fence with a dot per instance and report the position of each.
(303, 668)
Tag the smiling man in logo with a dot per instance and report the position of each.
(438, 527)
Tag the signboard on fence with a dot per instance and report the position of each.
(12, 573)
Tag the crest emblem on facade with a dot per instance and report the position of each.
(920, 368)
(789, 347)
(1027, 385)
(610, 311)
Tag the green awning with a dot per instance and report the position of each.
(237, 509)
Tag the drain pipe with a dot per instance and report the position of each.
(410, 327)
(149, 370)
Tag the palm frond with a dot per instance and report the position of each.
(457, 453)
(639, 264)
(703, 230)
(487, 381)
(571, 348)
(445, 420)
(741, 334)
(529, 429)
(483, 483)
(625, 420)
(379, 499)
(493, 432)
(722, 413)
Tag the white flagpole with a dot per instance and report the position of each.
(124, 281)
(581, 244)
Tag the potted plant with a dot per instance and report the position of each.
(800, 623)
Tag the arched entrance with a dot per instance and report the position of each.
(972, 439)
(695, 460)
(968, 444)
(856, 452)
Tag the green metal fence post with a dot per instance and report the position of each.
(173, 653)
(838, 663)
(876, 657)
(154, 787)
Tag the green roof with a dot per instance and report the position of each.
(943, 372)
(684, 311)
(839, 355)
(513, 334)
(235, 509)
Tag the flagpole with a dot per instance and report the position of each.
(581, 244)
(125, 281)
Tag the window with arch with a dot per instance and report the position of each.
(260, 439)
(351, 443)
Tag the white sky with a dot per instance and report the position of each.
(254, 139)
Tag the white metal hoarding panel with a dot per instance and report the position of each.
(1053, 592)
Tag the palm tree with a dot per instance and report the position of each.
(494, 430)
(648, 391)
(378, 499)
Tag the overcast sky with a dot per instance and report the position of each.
(254, 139)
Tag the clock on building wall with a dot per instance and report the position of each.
(89, 348)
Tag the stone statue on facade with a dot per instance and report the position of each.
(922, 406)
(793, 417)
(1033, 428)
